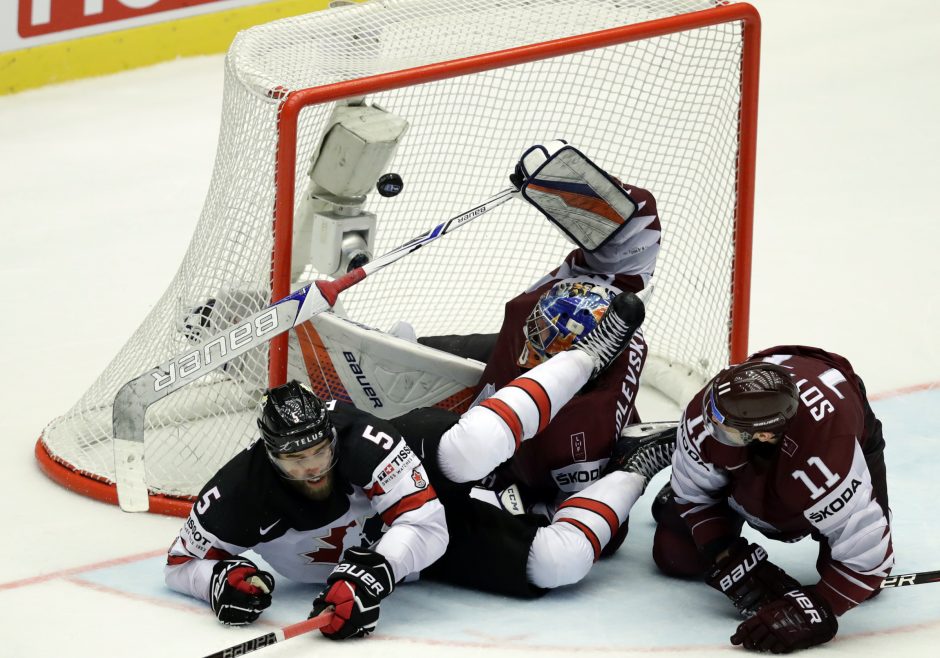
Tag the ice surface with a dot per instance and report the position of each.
(101, 182)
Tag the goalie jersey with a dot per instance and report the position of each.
(573, 450)
(381, 498)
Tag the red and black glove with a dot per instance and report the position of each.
(798, 620)
(748, 578)
(354, 589)
(239, 591)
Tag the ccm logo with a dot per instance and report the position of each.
(837, 504)
(47, 16)
(239, 336)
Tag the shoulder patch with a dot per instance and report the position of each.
(418, 478)
(390, 471)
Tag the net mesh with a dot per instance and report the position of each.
(660, 112)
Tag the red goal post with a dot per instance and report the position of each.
(663, 95)
(721, 14)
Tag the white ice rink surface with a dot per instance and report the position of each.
(101, 182)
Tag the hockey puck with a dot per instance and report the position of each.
(389, 185)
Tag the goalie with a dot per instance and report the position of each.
(617, 230)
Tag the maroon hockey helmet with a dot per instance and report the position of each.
(752, 397)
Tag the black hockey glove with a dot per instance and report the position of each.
(748, 578)
(517, 177)
(239, 591)
(354, 590)
(798, 620)
(533, 158)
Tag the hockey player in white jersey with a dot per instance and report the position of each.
(313, 484)
(305, 498)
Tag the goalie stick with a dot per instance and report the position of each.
(274, 637)
(920, 578)
(134, 397)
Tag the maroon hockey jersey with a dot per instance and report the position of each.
(572, 451)
(818, 482)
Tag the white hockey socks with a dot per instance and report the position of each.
(489, 433)
(562, 553)
(528, 403)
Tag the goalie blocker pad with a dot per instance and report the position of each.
(576, 195)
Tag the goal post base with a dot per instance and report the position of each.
(101, 490)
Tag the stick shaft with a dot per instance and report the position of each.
(920, 578)
(331, 289)
(136, 396)
(274, 637)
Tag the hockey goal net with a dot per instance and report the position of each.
(661, 93)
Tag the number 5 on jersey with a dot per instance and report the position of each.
(380, 438)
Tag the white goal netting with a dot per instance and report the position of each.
(662, 112)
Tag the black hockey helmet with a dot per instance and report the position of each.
(752, 397)
(293, 419)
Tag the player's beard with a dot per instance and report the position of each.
(319, 490)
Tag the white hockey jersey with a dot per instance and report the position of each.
(381, 498)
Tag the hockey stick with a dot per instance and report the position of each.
(920, 578)
(135, 396)
(274, 637)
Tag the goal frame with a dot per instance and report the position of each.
(294, 102)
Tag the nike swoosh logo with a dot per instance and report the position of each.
(265, 531)
(421, 454)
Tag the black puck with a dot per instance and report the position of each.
(389, 185)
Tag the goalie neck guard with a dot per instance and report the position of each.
(563, 314)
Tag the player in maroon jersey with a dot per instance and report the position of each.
(571, 453)
(565, 464)
(788, 443)
(496, 543)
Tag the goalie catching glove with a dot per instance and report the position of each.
(748, 578)
(798, 620)
(239, 591)
(354, 590)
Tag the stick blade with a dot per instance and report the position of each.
(127, 421)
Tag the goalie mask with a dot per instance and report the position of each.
(560, 317)
(297, 432)
(749, 398)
